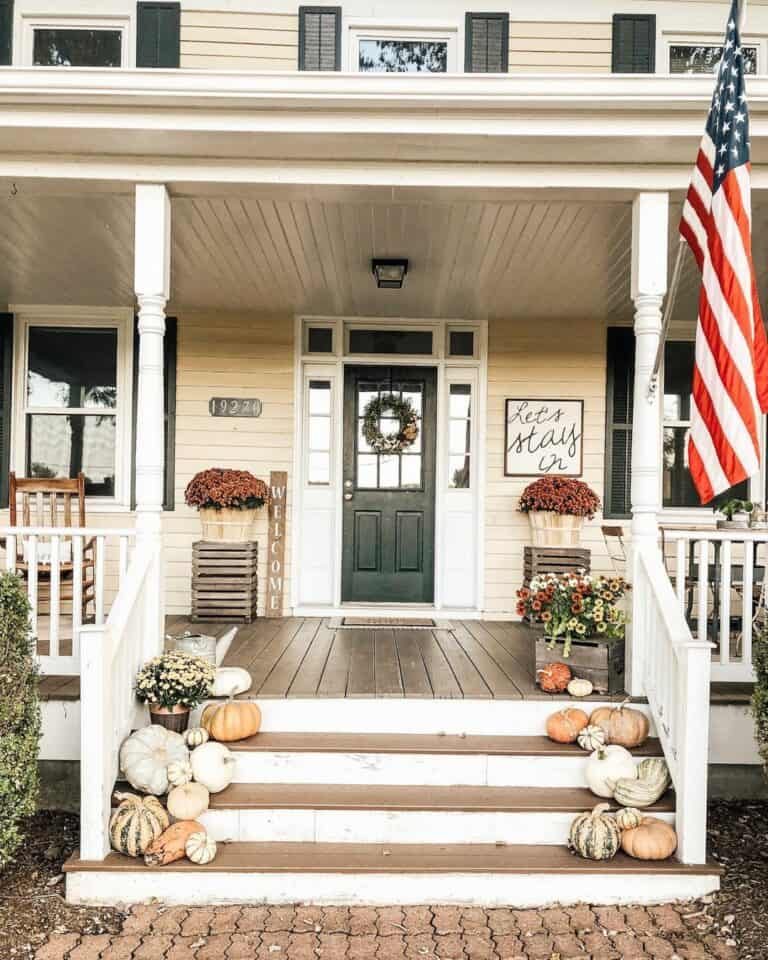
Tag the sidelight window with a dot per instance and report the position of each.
(459, 435)
(319, 433)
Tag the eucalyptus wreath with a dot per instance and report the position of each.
(388, 405)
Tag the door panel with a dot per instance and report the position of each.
(389, 500)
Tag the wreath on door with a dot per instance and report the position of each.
(389, 406)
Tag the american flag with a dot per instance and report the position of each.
(730, 377)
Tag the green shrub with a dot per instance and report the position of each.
(19, 716)
(760, 694)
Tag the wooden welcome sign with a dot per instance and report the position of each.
(278, 482)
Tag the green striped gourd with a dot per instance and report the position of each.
(592, 737)
(652, 782)
(595, 835)
(628, 818)
(136, 823)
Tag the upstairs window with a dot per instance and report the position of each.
(399, 51)
(72, 42)
(689, 57)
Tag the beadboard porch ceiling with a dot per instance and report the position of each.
(472, 253)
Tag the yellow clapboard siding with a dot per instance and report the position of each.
(227, 40)
(559, 47)
(556, 45)
(235, 63)
(563, 58)
(565, 29)
(231, 19)
(238, 35)
(248, 49)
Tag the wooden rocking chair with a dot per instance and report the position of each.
(48, 503)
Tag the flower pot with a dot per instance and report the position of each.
(550, 529)
(739, 521)
(599, 661)
(228, 524)
(172, 718)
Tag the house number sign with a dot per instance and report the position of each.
(543, 438)
(234, 407)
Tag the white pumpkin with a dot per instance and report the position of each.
(188, 801)
(146, 755)
(606, 766)
(214, 766)
(179, 772)
(196, 737)
(200, 848)
(578, 687)
(230, 681)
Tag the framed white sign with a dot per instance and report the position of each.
(543, 438)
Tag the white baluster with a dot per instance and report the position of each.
(746, 606)
(703, 589)
(77, 592)
(725, 601)
(33, 581)
(680, 572)
(123, 563)
(99, 578)
(10, 553)
(55, 594)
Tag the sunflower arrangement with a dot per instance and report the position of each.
(175, 679)
(575, 607)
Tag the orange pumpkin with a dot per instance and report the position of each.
(171, 844)
(565, 725)
(555, 677)
(652, 839)
(622, 725)
(230, 721)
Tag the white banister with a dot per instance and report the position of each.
(110, 657)
(719, 575)
(66, 569)
(676, 683)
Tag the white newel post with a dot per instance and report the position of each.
(152, 286)
(650, 230)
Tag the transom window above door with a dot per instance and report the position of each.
(75, 42)
(398, 51)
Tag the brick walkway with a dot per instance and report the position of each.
(680, 932)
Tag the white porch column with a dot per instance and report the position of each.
(152, 286)
(650, 231)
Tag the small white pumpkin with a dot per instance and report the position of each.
(230, 681)
(592, 737)
(196, 737)
(214, 766)
(200, 848)
(179, 772)
(146, 755)
(606, 766)
(579, 687)
(188, 801)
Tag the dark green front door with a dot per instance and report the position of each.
(389, 501)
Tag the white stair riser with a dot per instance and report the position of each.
(483, 889)
(384, 826)
(522, 718)
(410, 769)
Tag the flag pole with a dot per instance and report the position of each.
(653, 383)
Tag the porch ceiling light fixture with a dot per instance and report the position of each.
(389, 274)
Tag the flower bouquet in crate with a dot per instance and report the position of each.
(584, 622)
(227, 501)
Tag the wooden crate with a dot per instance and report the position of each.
(538, 560)
(224, 581)
(601, 662)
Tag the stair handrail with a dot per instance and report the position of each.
(675, 671)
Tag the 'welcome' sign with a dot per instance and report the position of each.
(543, 437)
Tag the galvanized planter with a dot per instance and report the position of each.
(599, 661)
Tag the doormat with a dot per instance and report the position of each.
(387, 622)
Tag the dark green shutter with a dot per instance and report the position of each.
(158, 35)
(634, 43)
(6, 33)
(319, 38)
(486, 43)
(170, 352)
(618, 422)
(6, 389)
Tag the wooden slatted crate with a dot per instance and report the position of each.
(538, 560)
(224, 581)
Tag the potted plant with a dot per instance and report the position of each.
(734, 514)
(227, 501)
(172, 685)
(556, 508)
(584, 623)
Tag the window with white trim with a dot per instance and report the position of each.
(74, 390)
(76, 42)
(319, 433)
(381, 50)
(690, 57)
(459, 435)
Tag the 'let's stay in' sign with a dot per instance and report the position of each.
(544, 438)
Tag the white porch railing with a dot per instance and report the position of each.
(111, 654)
(79, 567)
(675, 677)
(719, 579)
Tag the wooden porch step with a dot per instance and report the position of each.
(461, 799)
(357, 858)
(419, 744)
